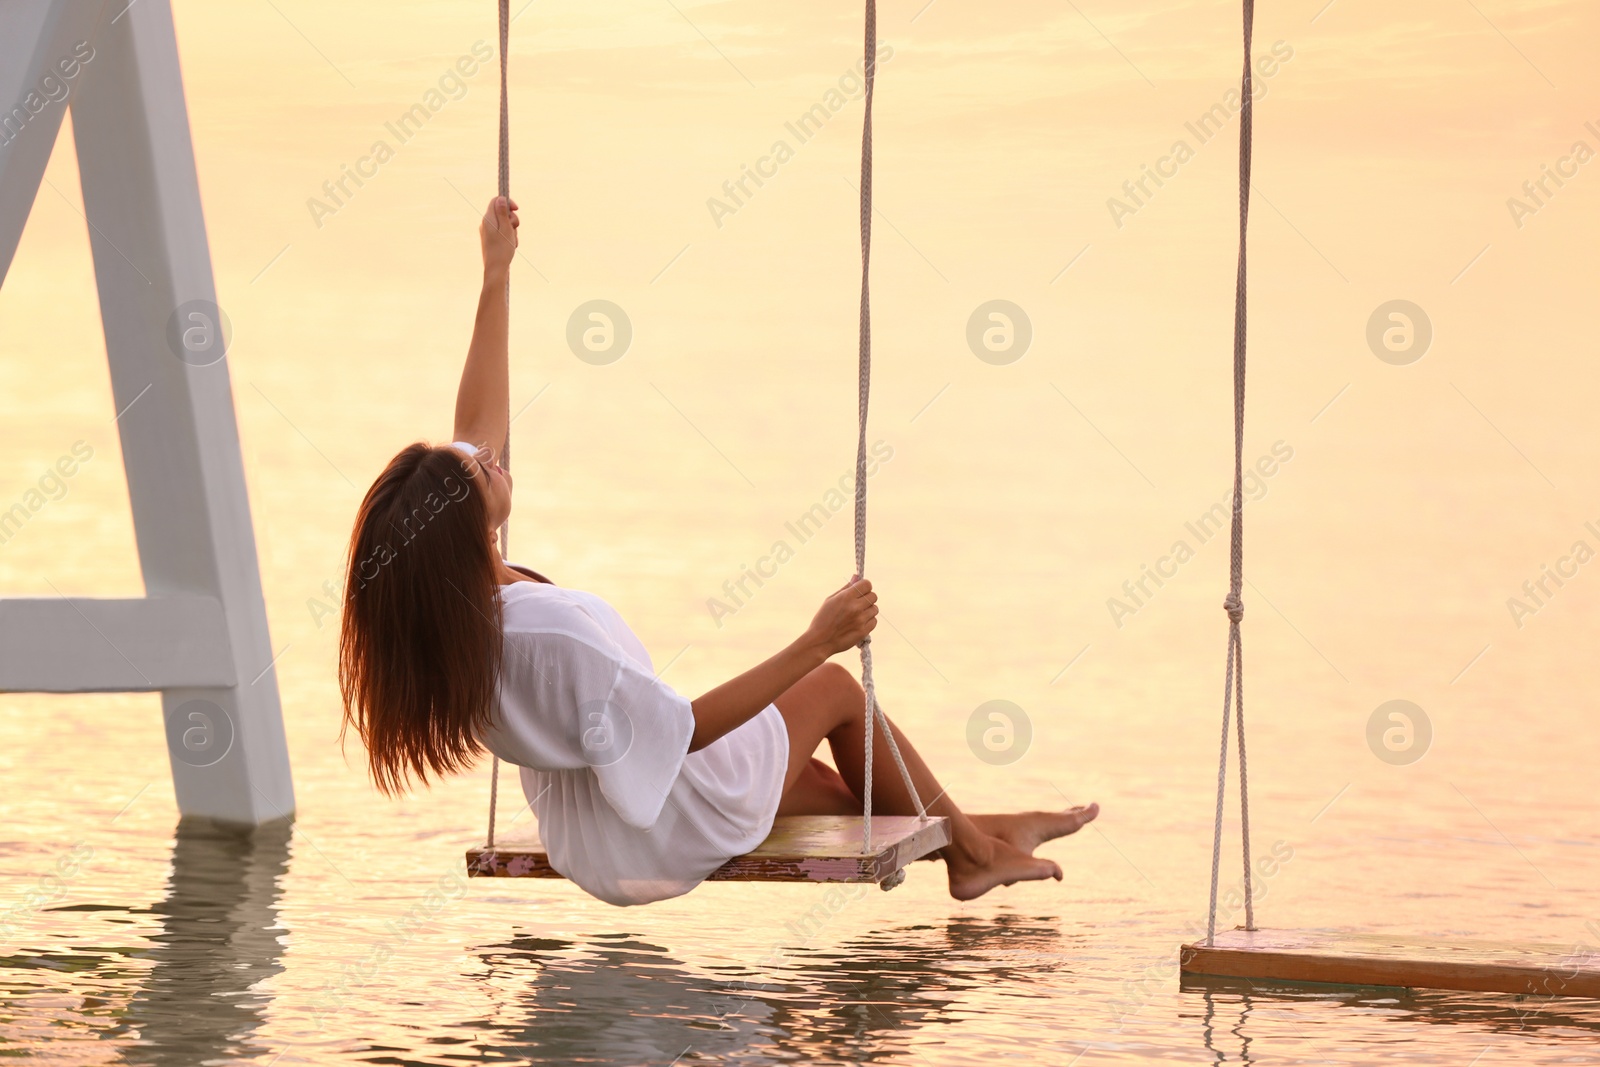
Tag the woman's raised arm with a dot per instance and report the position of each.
(485, 392)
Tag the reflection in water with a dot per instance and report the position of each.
(1488, 1013)
(618, 999)
(968, 989)
(1208, 1029)
(219, 938)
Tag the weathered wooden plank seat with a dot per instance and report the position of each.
(801, 848)
(1342, 958)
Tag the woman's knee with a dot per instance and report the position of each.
(834, 675)
(828, 694)
(839, 689)
(835, 680)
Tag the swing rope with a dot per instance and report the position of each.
(1233, 676)
(505, 448)
(873, 712)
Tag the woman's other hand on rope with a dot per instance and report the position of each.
(498, 233)
(845, 618)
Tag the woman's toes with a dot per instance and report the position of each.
(1028, 830)
(1082, 815)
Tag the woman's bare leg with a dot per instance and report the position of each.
(828, 704)
(819, 791)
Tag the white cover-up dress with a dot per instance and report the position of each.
(625, 810)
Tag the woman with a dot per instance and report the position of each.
(446, 651)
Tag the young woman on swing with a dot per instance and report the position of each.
(446, 651)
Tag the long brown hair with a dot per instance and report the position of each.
(420, 640)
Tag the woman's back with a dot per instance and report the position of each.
(624, 809)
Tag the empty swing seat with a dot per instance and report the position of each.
(1338, 958)
(801, 848)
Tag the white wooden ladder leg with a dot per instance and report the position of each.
(200, 637)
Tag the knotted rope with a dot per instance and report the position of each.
(873, 711)
(505, 448)
(1233, 604)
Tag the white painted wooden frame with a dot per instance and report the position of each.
(199, 636)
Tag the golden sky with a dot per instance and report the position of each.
(1389, 141)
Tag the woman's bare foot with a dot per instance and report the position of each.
(1027, 830)
(1005, 866)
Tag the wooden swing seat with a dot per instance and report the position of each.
(1340, 958)
(801, 848)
